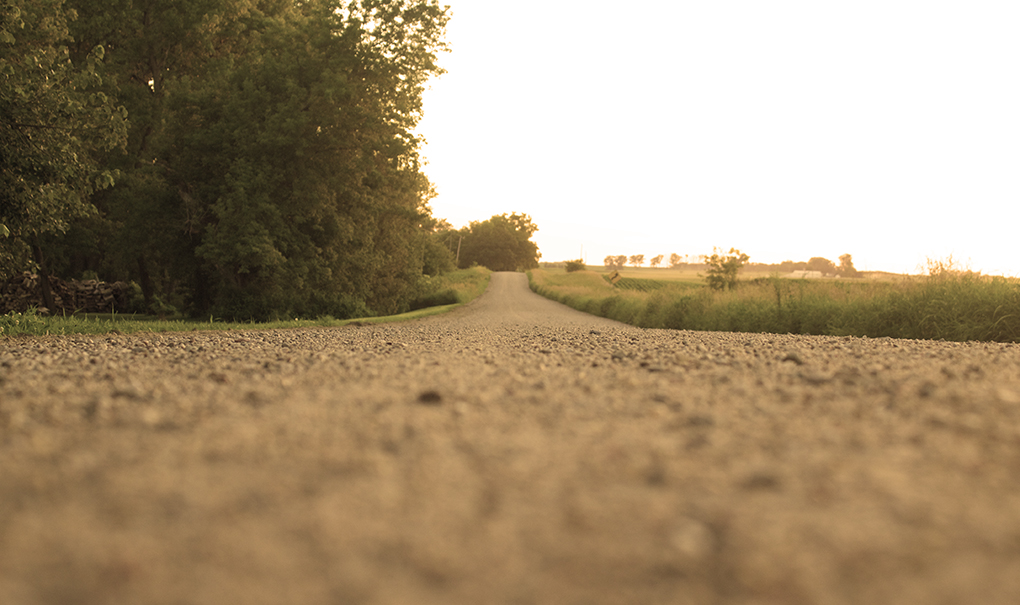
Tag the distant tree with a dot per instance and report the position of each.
(502, 243)
(824, 265)
(621, 261)
(675, 260)
(846, 267)
(722, 269)
(609, 261)
(637, 259)
(656, 261)
(437, 256)
(575, 265)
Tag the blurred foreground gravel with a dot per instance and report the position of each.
(513, 451)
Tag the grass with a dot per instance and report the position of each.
(946, 304)
(455, 289)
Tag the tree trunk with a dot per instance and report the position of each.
(145, 282)
(44, 278)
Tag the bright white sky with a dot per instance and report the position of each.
(887, 129)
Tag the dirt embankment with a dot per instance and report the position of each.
(514, 451)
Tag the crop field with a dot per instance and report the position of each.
(946, 304)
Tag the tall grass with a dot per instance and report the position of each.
(946, 304)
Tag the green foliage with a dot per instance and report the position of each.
(575, 265)
(271, 167)
(55, 122)
(437, 256)
(722, 269)
(502, 243)
(14, 324)
(459, 286)
(946, 304)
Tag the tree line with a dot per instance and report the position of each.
(823, 265)
(243, 158)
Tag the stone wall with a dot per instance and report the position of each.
(88, 296)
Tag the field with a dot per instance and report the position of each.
(443, 293)
(946, 304)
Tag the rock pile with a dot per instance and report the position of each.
(88, 296)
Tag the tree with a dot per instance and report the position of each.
(823, 265)
(674, 260)
(637, 259)
(846, 267)
(609, 261)
(502, 243)
(573, 266)
(55, 122)
(621, 261)
(722, 269)
(272, 165)
(656, 261)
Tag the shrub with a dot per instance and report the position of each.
(575, 265)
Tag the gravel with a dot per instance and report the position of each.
(512, 451)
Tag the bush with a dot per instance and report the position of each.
(436, 299)
(575, 265)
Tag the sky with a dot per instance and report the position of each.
(789, 129)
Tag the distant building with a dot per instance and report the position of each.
(805, 275)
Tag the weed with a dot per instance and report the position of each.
(948, 303)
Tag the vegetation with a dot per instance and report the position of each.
(502, 243)
(241, 158)
(947, 303)
(451, 290)
(722, 269)
(575, 265)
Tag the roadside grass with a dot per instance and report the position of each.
(455, 288)
(946, 304)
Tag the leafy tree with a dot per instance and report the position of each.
(615, 261)
(824, 265)
(656, 261)
(675, 260)
(575, 265)
(438, 257)
(637, 259)
(272, 165)
(723, 268)
(54, 124)
(846, 267)
(502, 243)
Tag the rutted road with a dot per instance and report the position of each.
(512, 451)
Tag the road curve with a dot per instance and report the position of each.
(511, 451)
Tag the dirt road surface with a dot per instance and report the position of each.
(511, 452)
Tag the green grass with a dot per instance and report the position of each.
(457, 288)
(946, 304)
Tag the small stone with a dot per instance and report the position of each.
(430, 397)
(693, 539)
(700, 421)
(793, 356)
(761, 481)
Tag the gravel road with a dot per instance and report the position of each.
(513, 451)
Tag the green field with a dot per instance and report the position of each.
(946, 304)
(446, 292)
